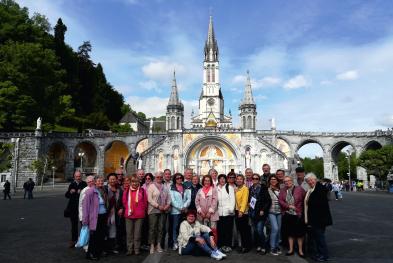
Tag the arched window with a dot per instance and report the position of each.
(249, 122)
(178, 123)
(208, 73)
(213, 74)
(173, 123)
(244, 122)
(254, 124)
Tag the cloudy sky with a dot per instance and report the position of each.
(315, 65)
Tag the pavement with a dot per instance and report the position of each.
(36, 231)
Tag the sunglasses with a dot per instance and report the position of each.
(177, 178)
(231, 177)
(255, 178)
(148, 178)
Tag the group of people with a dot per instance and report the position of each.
(208, 215)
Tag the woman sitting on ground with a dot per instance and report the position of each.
(196, 239)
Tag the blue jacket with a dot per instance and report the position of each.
(178, 200)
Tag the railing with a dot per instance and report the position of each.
(271, 147)
(87, 170)
(153, 147)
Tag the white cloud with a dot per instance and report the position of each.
(161, 70)
(260, 97)
(348, 75)
(296, 82)
(150, 85)
(386, 120)
(264, 82)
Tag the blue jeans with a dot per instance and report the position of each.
(194, 248)
(175, 222)
(259, 235)
(275, 222)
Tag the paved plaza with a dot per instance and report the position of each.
(35, 231)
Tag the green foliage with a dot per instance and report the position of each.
(342, 163)
(51, 80)
(141, 116)
(126, 108)
(5, 156)
(377, 162)
(41, 167)
(121, 128)
(314, 165)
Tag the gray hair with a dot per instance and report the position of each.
(160, 173)
(248, 169)
(310, 176)
(211, 171)
(90, 178)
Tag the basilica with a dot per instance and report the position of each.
(213, 141)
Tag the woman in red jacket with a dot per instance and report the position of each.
(135, 203)
(291, 200)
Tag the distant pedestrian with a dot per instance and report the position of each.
(317, 216)
(7, 190)
(72, 209)
(29, 188)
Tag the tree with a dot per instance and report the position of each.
(121, 128)
(342, 165)
(60, 30)
(5, 156)
(141, 116)
(314, 165)
(40, 167)
(126, 108)
(84, 51)
(15, 109)
(41, 22)
(377, 162)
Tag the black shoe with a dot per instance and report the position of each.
(302, 256)
(91, 257)
(289, 253)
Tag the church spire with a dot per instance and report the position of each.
(174, 98)
(211, 47)
(248, 98)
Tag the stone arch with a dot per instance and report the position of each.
(115, 156)
(284, 145)
(337, 147)
(57, 152)
(228, 153)
(307, 141)
(87, 162)
(372, 145)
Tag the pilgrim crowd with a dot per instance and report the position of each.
(201, 215)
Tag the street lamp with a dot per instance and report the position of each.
(53, 176)
(81, 154)
(349, 169)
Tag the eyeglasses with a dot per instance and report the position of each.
(231, 177)
(148, 178)
(177, 178)
(287, 181)
(255, 178)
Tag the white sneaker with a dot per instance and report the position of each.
(175, 247)
(220, 253)
(215, 255)
(152, 249)
(259, 249)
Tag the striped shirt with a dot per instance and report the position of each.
(275, 208)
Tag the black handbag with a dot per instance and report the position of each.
(67, 212)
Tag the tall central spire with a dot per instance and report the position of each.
(211, 47)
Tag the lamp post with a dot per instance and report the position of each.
(349, 169)
(53, 177)
(81, 154)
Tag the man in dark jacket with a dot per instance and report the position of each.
(73, 192)
(317, 216)
(7, 190)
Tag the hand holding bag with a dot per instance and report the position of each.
(83, 237)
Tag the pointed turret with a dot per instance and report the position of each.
(248, 108)
(174, 98)
(175, 109)
(248, 98)
(211, 47)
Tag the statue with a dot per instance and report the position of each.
(151, 125)
(176, 160)
(39, 123)
(273, 123)
(139, 162)
(248, 159)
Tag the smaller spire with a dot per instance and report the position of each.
(174, 98)
(248, 98)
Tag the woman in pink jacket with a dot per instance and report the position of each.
(206, 204)
(135, 204)
(291, 200)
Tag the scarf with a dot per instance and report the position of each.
(129, 202)
(306, 204)
(206, 190)
(162, 196)
(290, 200)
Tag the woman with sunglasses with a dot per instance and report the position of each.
(134, 203)
(159, 202)
(291, 200)
(206, 204)
(226, 213)
(274, 215)
(148, 180)
(259, 201)
(180, 200)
